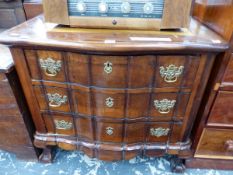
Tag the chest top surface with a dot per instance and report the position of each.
(38, 33)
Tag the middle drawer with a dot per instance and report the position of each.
(107, 103)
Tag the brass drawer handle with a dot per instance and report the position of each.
(159, 132)
(56, 100)
(108, 67)
(109, 131)
(229, 145)
(109, 102)
(50, 66)
(171, 73)
(164, 106)
(63, 125)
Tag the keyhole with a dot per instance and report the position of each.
(108, 67)
(114, 22)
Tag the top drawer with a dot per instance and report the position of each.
(113, 71)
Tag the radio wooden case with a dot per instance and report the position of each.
(141, 14)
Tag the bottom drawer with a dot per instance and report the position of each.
(113, 131)
(215, 144)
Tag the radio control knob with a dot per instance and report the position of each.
(81, 7)
(125, 7)
(148, 8)
(103, 7)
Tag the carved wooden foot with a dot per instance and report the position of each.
(177, 165)
(46, 155)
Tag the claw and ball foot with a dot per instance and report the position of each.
(46, 155)
(177, 165)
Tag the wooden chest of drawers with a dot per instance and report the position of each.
(16, 126)
(212, 133)
(113, 94)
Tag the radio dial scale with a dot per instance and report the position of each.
(116, 8)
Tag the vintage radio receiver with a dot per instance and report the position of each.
(121, 14)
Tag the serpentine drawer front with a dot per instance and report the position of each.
(112, 103)
(133, 100)
(113, 71)
(113, 94)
